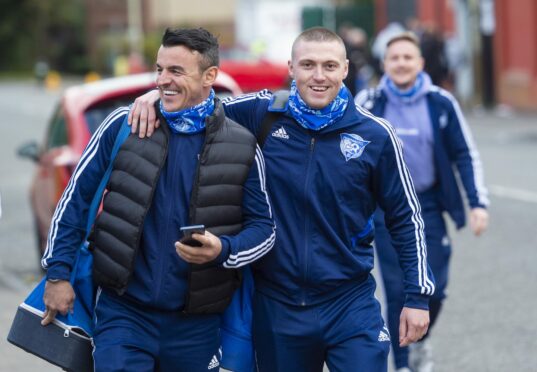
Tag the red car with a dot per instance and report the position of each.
(79, 113)
(255, 74)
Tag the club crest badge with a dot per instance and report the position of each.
(352, 145)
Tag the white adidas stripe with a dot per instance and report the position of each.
(260, 162)
(245, 257)
(414, 204)
(263, 94)
(280, 131)
(360, 98)
(213, 363)
(427, 286)
(87, 156)
(241, 97)
(416, 208)
(250, 255)
(479, 179)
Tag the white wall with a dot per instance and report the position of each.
(275, 23)
(176, 12)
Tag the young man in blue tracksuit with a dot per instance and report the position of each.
(329, 165)
(436, 140)
(143, 327)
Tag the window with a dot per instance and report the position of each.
(96, 114)
(57, 133)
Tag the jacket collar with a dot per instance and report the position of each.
(214, 121)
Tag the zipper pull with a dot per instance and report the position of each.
(66, 333)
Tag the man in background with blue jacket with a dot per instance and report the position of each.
(436, 140)
(159, 302)
(329, 165)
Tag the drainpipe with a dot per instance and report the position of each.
(487, 27)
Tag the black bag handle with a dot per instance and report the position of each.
(275, 110)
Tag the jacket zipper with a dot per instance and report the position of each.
(307, 220)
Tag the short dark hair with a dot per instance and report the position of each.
(197, 39)
(317, 34)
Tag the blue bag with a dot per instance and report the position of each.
(236, 329)
(67, 341)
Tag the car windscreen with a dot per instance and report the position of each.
(96, 114)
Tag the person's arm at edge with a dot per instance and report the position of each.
(68, 226)
(396, 196)
(242, 109)
(258, 232)
(142, 115)
(465, 155)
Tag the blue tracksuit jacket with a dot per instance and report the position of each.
(160, 275)
(453, 145)
(324, 188)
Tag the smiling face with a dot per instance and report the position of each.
(402, 63)
(180, 81)
(318, 67)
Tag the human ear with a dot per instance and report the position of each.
(209, 76)
(290, 69)
(346, 69)
(422, 63)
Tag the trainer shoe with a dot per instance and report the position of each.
(420, 357)
(404, 369)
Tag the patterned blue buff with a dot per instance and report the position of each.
(315, 119)
(190, 120)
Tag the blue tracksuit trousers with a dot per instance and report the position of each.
(346, 332)
(438, 255)
(131, 337)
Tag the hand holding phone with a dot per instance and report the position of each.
(187, 232)
(192, 251)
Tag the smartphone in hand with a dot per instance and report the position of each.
(187, 232)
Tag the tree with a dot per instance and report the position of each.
(17, 31)
(52, 30)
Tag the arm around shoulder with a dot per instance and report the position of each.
(142, 116)
(258, 232)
